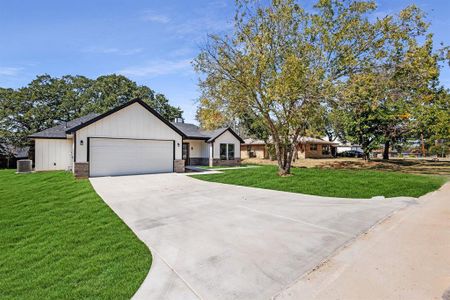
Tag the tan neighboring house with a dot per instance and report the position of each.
(252, 148)
(307, 148)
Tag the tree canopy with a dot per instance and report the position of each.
(282, 62)
(47, 100)
(335, 69)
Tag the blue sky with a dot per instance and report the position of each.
(151, 42)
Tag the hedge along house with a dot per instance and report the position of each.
(130, 139)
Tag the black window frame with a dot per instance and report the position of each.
(313, 147)
(228, 152)
(225, 155)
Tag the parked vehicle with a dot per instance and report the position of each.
(350, 153)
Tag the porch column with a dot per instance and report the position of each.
(211, 154)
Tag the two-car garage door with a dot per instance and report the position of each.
(113, 156)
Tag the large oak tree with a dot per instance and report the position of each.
(47, 101)
(282, 62)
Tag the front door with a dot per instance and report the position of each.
(185, 153)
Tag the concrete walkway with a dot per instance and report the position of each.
(217, 241)
(405, 257)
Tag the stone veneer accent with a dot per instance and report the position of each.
(178, 165)
(198, 161)
(81, 170)
(229, 163)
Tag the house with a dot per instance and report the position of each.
(253, 148)
(307, 148)
(131, 139)
(218, 147)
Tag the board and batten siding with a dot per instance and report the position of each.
(53, 154)
(227, 138)
(134, 122)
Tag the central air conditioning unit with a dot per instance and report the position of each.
(24, 166)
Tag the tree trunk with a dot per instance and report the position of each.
(386, 150)
(366, 154)
(284, 156)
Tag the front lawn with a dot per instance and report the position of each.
(328, 182)
(223, 167)
(59, 240)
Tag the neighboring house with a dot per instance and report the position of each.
(9, 155)
(307, 148)
(130, 139)
(252, 148)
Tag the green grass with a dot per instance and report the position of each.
(59, 240)
(332, 183)
(221, 167)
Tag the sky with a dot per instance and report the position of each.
(151, 42)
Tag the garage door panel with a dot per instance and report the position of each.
(128, 156)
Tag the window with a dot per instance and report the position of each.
(325, 150)
(313, 147)
(226, 151)
(230, 151)
(223, 151)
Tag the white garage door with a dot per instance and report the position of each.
(109, 157)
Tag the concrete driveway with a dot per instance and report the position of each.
(216, 241)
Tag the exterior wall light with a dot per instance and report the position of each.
(81, 142)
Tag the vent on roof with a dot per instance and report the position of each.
(179, 120)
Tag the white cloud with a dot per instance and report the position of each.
(159, 67)
(112, 50)
(10, 71)
(151, 16)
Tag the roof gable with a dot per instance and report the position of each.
(216, 135)
(192, 131)
(137, 100)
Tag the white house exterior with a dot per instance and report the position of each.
(53, 154)
(130, 139)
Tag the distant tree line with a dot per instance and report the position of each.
(47, 101)
(335, 70)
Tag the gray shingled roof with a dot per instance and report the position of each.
(302, 139)
(59, 131)
(311, 140)
(193, 131)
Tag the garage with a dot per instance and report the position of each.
(129, 139)
(117, 156)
